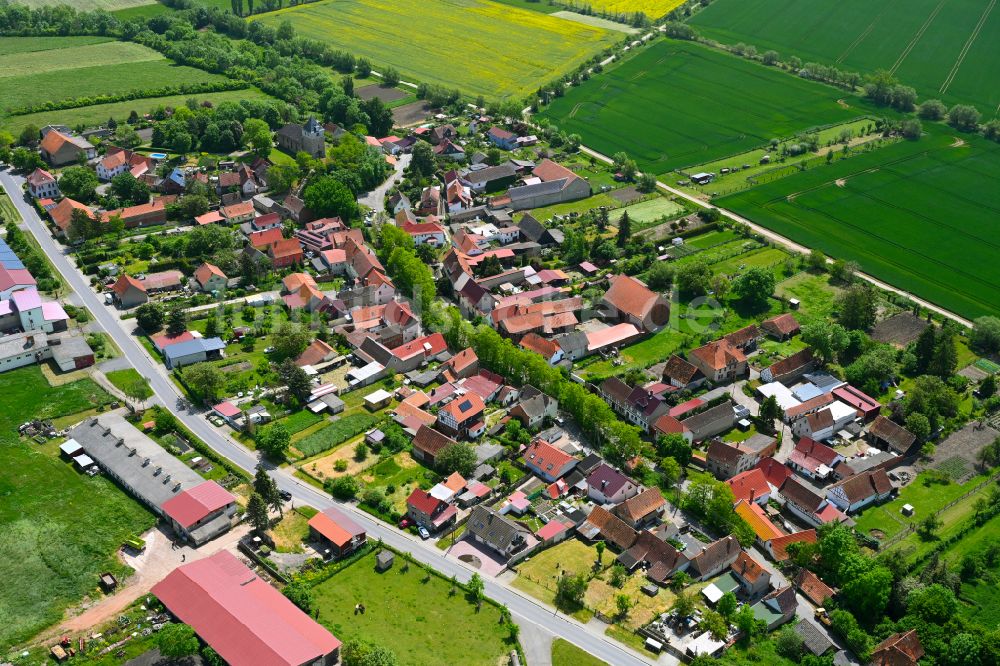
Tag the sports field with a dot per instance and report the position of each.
(947, 49)
(923, 216)
(477, 46)
(675, 104)
(42, 69)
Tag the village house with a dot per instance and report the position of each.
(533, 231)
(812, 588)
(900, 649)
(682, 375)
(856, 492)
(428, 511)
(888, 435)
(43, 185)
(764, 530)
(602, 525)
(776, 608)
(129, 292)
(726, 460)
(751, 486)
(546, 461)
(118, 160)
(607, 485)
(193, 351)
(777, 547)
(285, 252)
(502, 138)
(790, 369)
(753, 578)
(719, 361)
(714, 558)
(533, 407)
(659, 558)
(428, 443)
(501, 535)
(826, 423)
(812, 459)
(643, 509)
(629, 300)
(807, 505)
(58, 148)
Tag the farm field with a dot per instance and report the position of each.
(654, 9)
(30, 77)
(675, 104)
(419, 621)
(944, 48)
(645, 213)
(920, 215)
(87, 5)
(506, 51)
(99, 113)
(58, 528)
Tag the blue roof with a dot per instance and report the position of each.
(195, 346)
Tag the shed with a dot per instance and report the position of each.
(71, 448)
(384, 560)
(84, 461)
(377, 399)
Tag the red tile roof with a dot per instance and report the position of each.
(465, 407)
(430, 345)
(423, 501)
(781, 543)
(782, 325)
(286, 247)
(126, 282)
(749, 485)
(630, 296)
(262, 239)
(718, 354)
(758, 520)
(545, 458)
(189, 506)
(242, 617)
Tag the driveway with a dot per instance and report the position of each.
(476, 557)
(376, 198)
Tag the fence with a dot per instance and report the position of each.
(894, 539)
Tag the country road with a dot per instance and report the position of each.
(523, 608)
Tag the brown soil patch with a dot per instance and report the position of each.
(385, 94)
(626, 195)
(322, 468)
(411, 114)
(842, 104)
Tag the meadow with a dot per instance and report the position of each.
(920, 215)
(411, 613)
(944, 48)
(675, 104)
(74, 70)
(99, 113)
(58, 528)
(477, 46)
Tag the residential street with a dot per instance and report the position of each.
(524, 609)
(376, 198)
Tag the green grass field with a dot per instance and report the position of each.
(58, 528)
(565, 653)
(99, 113)
(920, 215)
(675, 104)
(477, 46)
(87, 5)
(944, 48)
(12, 45)
(126, 379)
(419, 621)
(83, 70)
(645, 213)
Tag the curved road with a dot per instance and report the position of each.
(522, 607)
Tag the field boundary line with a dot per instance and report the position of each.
(917, 36)
(853, 45)
(968, 46)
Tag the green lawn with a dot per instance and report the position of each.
(645, 213)
(505, 51)
(711, 239)
(565, 653)
(925, 498)
(58, 529)
(817, 297)
(301, 420)
(127, 379)
(578, 206)
(12, 45)
(419, 621)
(676, 104)
(936, 47)
(920, 215)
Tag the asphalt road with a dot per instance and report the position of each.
(523, 608)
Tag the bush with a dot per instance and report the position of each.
(343, 487)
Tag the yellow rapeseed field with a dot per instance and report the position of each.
(477, 46)
(654, 9)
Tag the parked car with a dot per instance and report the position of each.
(424, 534)
(285, 495)
(404, 523)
